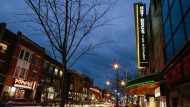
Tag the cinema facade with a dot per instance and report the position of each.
(165, 77)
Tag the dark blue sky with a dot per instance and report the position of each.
(99, 67)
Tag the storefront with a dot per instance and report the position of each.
(176, 75)
(19, 88)
(141, 90)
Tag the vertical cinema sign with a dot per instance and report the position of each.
(141, 34)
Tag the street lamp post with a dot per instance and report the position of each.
(116, 66)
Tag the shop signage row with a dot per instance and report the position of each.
(179, 71)
(23, 83)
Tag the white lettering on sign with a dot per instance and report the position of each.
(142, 11)
(142, 26)
(22, 82)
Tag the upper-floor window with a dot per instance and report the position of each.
(50, 68)
(20, 72)
(60, 73)
(3, 48)
(45, 65)
(34, 75)
(72, 78)
(37, 60)
(56, 71)
(25, 55)
(71, 86)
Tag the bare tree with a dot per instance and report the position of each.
(124, 76)
(66, 23)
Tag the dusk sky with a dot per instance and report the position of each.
(99, 68)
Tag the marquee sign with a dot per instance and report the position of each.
(141, 35)
(23, 83)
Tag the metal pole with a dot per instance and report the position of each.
(117, 91)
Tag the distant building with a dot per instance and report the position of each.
(50, 79)
(106, 95)
(78, 87)
(96, 94)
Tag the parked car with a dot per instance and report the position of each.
(19, 102)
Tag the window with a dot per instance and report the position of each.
(37, 60)
(72, 78)
(185, 5)
(167, 31)
(165, 10)
(3, 47)
(50, 69)
(175, 15)
(179, 38)
(20, 73)
(48, 79)
(56, 71)
(187, 25)
(60, 73)
(34, 75)
(71, 86)
(170, 3)
(17, 72)
(25, 55)
(45, 66)
(169, 51)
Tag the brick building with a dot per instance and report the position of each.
(78, 87)
(7, 44)
(50, 79)
(22, 77)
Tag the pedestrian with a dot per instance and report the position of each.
(138, 105)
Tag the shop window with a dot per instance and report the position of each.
(56, 71)
(25, 55)
(20, 73)
(45, 65)
(34, 75)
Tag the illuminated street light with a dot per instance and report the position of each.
(122, 83)
(116, 67)
(108, 83)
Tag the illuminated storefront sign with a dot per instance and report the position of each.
(179, 71)
(141, 34)
(23, 83)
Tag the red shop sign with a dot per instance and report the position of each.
(179, 70)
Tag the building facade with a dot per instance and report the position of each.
(26, 62)
(169, 58)
(96, 94)
(50, 79)
(7, 44)
(176, 73)
(78, 87)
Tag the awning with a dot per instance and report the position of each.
(142, 85)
